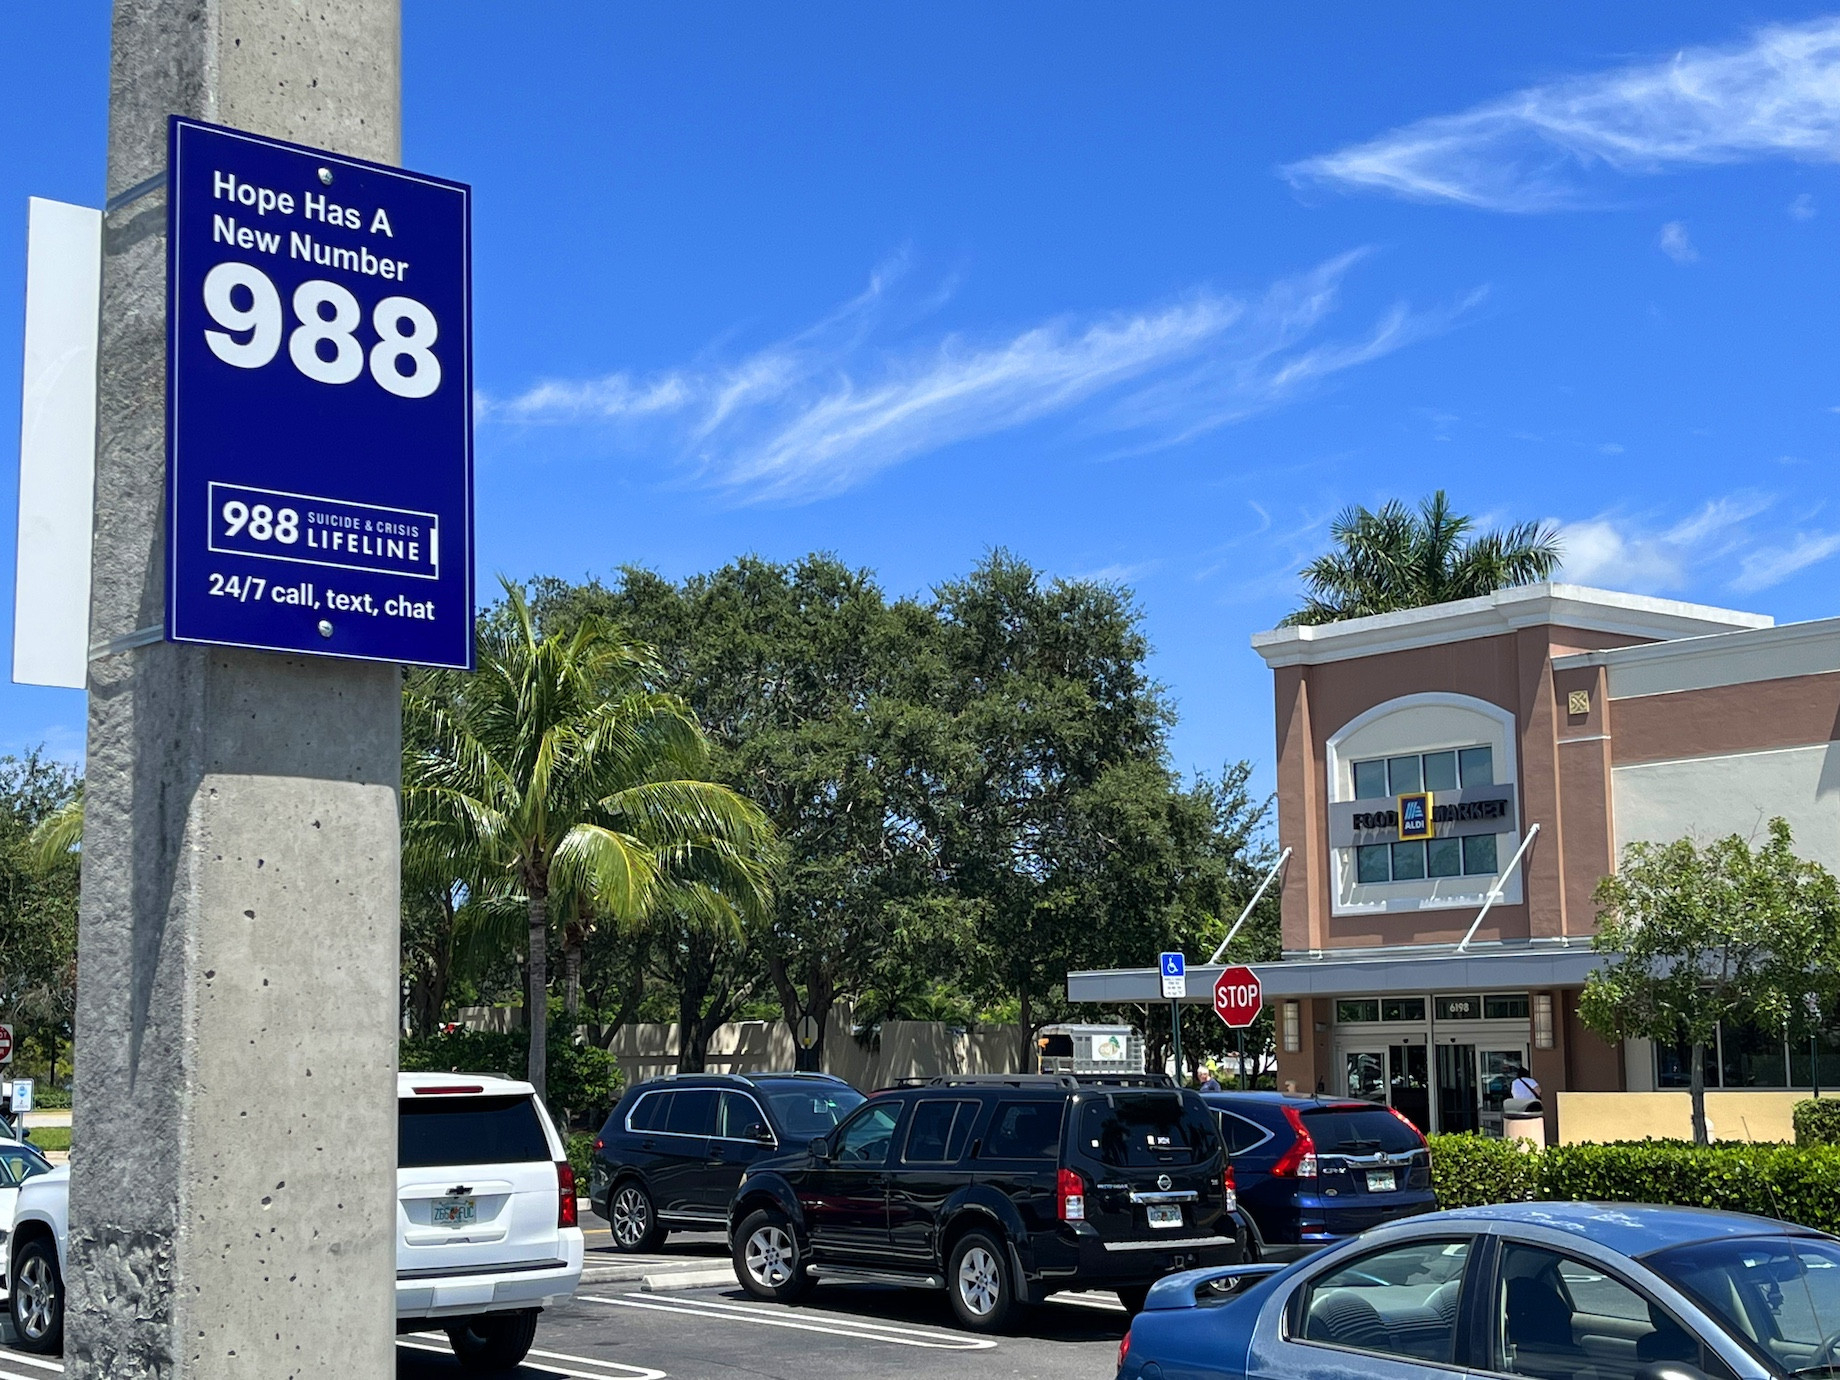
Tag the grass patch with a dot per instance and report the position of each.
(50, 1137)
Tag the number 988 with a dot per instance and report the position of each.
(263, 523)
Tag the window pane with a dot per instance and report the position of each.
(1673, 1065)
(1752, 1058)
(1358, 1009)
(1512, 1007)
(1444, 857)
(1408, 861)
(865, 1140)
(1476, 766)
(1563, 1318)
(1458, 1008)
(1402, 1009)
(737, 1116)
(1402, 775)
(1783, 1296)
(931, 1130)
(1479, 855)
(459, 1131)
(1024, 1131)
(1440, 771)
(1143, 1130)
(1400, 1302)
(650, 1114)
(1370, 864)
(693, 1112)
(1369, 780)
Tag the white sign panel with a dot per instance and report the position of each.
(57, 445)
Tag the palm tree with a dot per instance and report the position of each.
(1395, 558)
(556, 773)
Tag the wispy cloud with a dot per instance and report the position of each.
(822, 410)
(1776, 95)
(1803, 207)
(1677, 244)
(1723, 542)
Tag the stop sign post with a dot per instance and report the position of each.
(1237, 996)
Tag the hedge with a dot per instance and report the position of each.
(1817, 1121)
(1798, 1183)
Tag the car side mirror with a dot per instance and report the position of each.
(761, 1132)
(820, 1148)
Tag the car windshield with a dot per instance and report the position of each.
(810, 1111)
(1780, 1294)
(1359, 1131)
(1146, 1129)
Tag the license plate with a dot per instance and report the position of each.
(1381, 1181)
(1162, 1215)
(454, 1212)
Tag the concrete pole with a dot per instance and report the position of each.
(233, 1179)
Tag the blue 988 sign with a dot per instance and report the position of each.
(319, 466)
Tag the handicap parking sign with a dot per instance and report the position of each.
(1174, 968)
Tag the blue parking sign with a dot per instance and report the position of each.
(319, 383)
(1174, 965)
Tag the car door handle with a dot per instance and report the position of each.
(648, 1145)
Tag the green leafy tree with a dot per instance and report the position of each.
(1393, 558)
(557, 770)
(811, 685)
(1700, 934)
(41, 830)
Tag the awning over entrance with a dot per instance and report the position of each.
(1520, 969)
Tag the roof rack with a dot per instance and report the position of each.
(1125, 1080)
(1037, 1080)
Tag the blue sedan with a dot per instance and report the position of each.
(1548, 1291)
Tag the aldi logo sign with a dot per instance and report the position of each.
(1415, 815)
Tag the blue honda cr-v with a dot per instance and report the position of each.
(1313, 1170)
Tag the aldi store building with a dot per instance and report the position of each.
(1512, 745)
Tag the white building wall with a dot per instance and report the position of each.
(1709, 797)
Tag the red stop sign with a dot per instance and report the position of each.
(1237, 997)
(6, 1043)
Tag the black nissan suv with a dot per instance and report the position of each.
(674, 1148)
(997, 1189)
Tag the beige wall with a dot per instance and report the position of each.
(1734, 1116)
(1735, 793)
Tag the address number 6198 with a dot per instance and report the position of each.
(261, 322)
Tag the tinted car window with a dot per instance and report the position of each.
(650, 1113)
(17, 1164)
(865, 1140)
(1024, 1131)
(1240, 1134)
(1398, 1302)
(1146, 1129)
(472, 1130)
(737, 1116)
(1359, 1131)
(810, 1110)
(939, 1131)
(693, 1112)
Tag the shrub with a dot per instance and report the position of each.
(1793, 1182)
(1468, 1171)
(584, 1082)
(581, 1156)
(1817, 1121)
(51, 1099)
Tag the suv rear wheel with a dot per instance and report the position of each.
(979, 1284)
(633, 1219)
(768, 1261)
(493, 1343)
(37, 1302)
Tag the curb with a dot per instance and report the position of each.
(643, 1270)
(686, 1279)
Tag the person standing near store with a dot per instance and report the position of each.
(1209, 1083)
(1525, 1086)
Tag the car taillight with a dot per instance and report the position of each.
(565, 1195)
(599, 1144)
(1070, 1188)
(1228, 1189)
(1299, 1161)
(1124, 1348)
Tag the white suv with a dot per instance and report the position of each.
(486, 1223)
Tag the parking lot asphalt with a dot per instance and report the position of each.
(625, 1331)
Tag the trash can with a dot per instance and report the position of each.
(1523, 1118)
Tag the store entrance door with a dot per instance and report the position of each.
(1409, 1085)
(1456, 1089)
(1365, 1074)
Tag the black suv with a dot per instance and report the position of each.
(674, 1149)
(998, 1189)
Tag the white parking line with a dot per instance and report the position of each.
(834, 1324)
(7, 1353)
(608, 1370)
(1107, 1302)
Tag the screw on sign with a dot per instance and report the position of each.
(1237, 997)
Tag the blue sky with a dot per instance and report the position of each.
(1146, 294)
